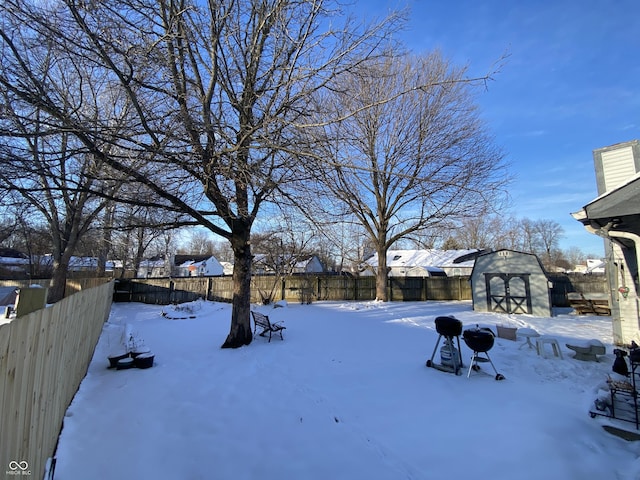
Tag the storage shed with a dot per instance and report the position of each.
(507, 281)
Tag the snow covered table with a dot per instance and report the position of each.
(528, 333)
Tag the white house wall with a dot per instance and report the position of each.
(625, 312)
(209, 267)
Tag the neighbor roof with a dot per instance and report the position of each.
(425, 258)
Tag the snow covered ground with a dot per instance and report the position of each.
(346, 395)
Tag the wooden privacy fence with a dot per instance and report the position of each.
(43, 358)
(298, 288)
(576, 282)
(73, 285)
(307, 288)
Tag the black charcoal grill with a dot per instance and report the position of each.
(480, 340)
(450, 359)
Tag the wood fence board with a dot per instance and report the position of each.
(29, 444)
(43, 358)
(39, 411)
(6, 386)
(19, 362)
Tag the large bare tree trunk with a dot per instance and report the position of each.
(58, 279)
(382, 276)
(240, 332)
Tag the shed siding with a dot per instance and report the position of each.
(511, 262)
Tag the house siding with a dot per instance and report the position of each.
(614, 165)
(625, 312)
(617, 167)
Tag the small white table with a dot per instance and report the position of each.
(527, 333)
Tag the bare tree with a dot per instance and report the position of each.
(212, 93)
(26, 232)
(279, 250)
(222, 251)
(8, 223)
(483, 231)
(139, 232)
(54, 175)
(408, 164)
(198, 243)
(548, 233)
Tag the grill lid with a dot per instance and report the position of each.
(449, 326)
(479, 339)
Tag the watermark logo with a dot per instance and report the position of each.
(18, 468)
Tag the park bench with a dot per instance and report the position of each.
(262, 321)
(590, 303)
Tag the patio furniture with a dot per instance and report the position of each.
(588, 352)
(544, 340)
(263, 322)
(528, 333)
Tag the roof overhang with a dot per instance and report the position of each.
(614, 211)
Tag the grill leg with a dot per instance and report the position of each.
(474, 361)
(473, 358)
(459, 353)
(489, 358)
(499, 376)
(435, 349)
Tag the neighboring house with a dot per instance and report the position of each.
(88, 264)
(507, 281)
(13, 261)
(20, 263)
(157, 266)
(310, 264)
(180, 266)
(615, 216)
(77, 264)
(264, 264)
(196, 266)
(424, 263)
(592, 265)
(227, 268)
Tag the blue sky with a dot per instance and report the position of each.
(571, 84)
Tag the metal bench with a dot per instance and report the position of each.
(262, 321)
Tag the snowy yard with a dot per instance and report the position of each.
(346, 395)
